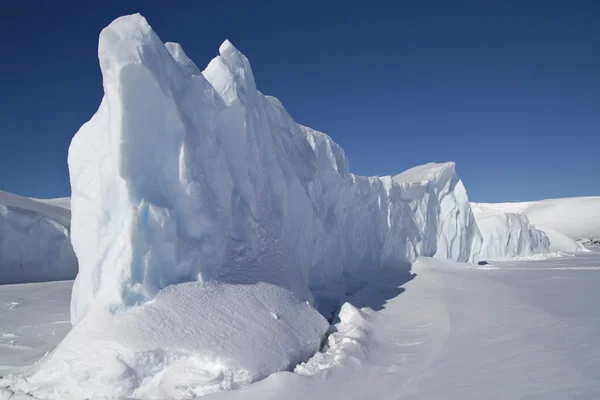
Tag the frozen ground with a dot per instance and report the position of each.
(34, 318)
(526, 329)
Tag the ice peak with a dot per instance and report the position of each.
(230, 74)
(181, 58)
(227, 48)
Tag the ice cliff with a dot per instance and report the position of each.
(510, 235)
(34, 241)
(196, 198)
(185, 175)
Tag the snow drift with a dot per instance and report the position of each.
(196, 195)
(34, 240)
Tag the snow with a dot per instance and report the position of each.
(449, 333)
(576, 217)
(34, 240)
(191, 340)
(56, 210)
(62, 202)
(561, 220)
(34, 318)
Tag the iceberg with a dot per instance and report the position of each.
(185, 175)
(509, 235)
(35, 244)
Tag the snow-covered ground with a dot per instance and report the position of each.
(34, 318)
(508, 330)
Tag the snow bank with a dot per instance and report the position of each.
(559, 242)
(192, 339)
(204, 217)
(348, 343)
(576, 217)
(34, 241)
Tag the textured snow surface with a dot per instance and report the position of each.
(428, 339)
(576, 217)
(34, 318)
(204, 219)
(34, 240)
(192, 339)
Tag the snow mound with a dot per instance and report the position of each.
(191, 340)
(204, 217)
(576, 217)
(559, 242)
(347, 344)
(34, 240)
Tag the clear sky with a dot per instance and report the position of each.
(510, 90)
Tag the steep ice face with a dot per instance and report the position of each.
(559, 241)
(510, 235)
(34, 241)
(184, 175)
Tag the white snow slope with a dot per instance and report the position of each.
(563, 220)
(197, 179)
(34, 240)
(510, 235)
(576, 217)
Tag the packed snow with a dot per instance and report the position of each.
(210, 227)
(518, 329)
(34, 318)
(34, 240)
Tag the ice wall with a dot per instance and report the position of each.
(185, 175)
(510, 235)
(34, 241)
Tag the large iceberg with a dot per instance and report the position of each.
(197, 199)
(185, 175)
(34, 240)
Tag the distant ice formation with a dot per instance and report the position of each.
(34, 240)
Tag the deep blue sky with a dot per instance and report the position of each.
(510, 90)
